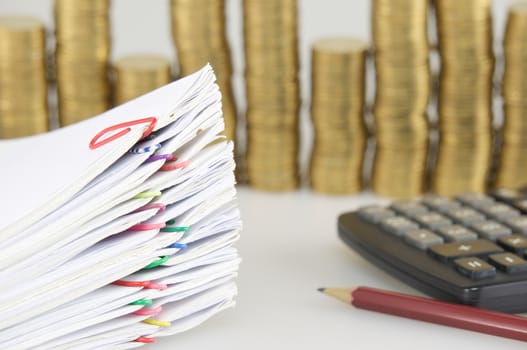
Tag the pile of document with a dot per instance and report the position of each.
(120, 229)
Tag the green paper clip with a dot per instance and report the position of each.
(142, 302)
(157, 262)
(175, 229)
(148, 194)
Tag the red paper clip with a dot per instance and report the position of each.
(148, 312)
(172, 165)
(131, 283)
(95, 143)
(145, 339)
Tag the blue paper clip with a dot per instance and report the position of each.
(146, 149)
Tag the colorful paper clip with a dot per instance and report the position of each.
(148, 194)
(158, 286)
(145, 339)
(157, 262)
(148, 312)
(157, 322)
(175, 229)
(97, 141)
(160, 206)
(156, 157)
(172, 165)
(178, 245)
(131, 283)
(147, 149)
(147, 227)
(144, 284)
(142, 302)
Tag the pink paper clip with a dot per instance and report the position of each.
(158, 286)
(144, 284)
(146, 227)
(160, 206)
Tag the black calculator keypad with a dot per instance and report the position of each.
(480, 248)
(422, 238)
(471, 248)
(457, 233)
(475, 268)
(515, 243)
(509, 262)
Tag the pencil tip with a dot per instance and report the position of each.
(343, 294)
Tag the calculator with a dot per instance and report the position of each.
(470, 249)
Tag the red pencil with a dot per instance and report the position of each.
(428, 310)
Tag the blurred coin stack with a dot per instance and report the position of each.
(465, 96)
(273, 93)
(136, 75)
(512, 170)
(82, 32)
(337, 113)
(199, 35)
(403, 87)
(23, 86)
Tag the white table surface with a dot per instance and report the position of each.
(289, 247)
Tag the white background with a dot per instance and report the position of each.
(289, 244)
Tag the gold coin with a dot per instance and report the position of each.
(82, 32)
(22, 69)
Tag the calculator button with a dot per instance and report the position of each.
(450, 251)
(474, 268)
(422, 238)
(476, 200)
(491, 229)
(514, 243)
(508, 262)
(521, 204)
(465, 216)
(440, 203)
(375, 213)
(433, 220)
(507, 194)
(409, 208)
(398, 225)
(457, 233)
(517, 224)
(500, 211)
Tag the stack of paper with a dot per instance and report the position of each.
(119, 229)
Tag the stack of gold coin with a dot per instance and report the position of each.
(273, 96)
(23, 87)
(403, 88)
(136, 75)
(337, 111)
(512, 170)
(199, 35)
(465, 96)
(82, 32)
